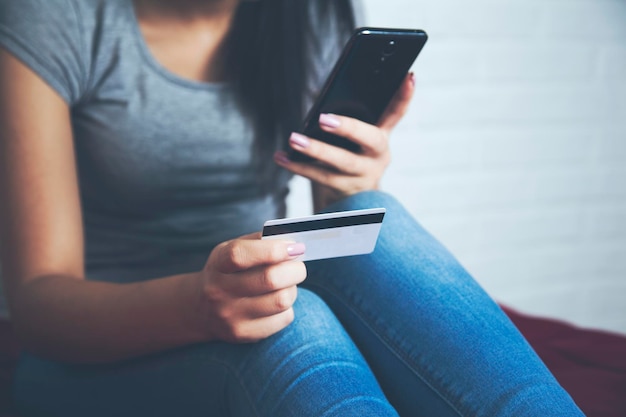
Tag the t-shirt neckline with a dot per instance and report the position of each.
(156, 66)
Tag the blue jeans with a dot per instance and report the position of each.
(403, 331)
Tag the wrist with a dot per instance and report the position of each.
(324, 196)
(196, 307)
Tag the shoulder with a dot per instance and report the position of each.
(46, 15)
(37, 16)
(58, 38)
(56, 8)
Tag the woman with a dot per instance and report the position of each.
(138, 141)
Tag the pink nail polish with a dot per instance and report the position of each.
(296, 249)
(299, 140)
(329, 120)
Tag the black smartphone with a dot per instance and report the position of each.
(371, 68)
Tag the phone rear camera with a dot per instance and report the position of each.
(390, 48)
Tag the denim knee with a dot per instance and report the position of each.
(312, 368)
(366, 199)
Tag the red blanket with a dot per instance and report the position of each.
(589, 364)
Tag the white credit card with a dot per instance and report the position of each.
(330, 235)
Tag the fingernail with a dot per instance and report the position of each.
(281, 157)
(296, 249)
(329, 120)
(412, 79)
(299, 140)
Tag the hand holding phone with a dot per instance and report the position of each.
(370, 70)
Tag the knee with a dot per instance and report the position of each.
(399, 226)
(401, 236)
(316, 332)
(314, 319)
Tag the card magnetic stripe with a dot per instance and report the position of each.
(307, 226)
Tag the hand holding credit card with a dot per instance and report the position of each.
(330, 235)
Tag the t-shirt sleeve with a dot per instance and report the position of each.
(46, 36)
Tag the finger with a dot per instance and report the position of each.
(264, 280)
(315, 172)
(399, 104)
(339, 159)
(242, 254)
(371, 138)
(256, 330)
(268, 305)
(252, 236)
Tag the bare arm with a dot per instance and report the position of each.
(54, 309)
(59, 314)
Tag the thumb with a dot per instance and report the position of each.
(399, 104)
(242, 254)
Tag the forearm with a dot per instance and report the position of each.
(322, 196)
(84, 321)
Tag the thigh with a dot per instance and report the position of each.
(437, 342)
(311, 368)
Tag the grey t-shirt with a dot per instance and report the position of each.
(166, 165)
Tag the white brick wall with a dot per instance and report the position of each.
(515, 148)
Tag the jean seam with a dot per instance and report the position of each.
(333, 407)
(393, 347)
(314, 368)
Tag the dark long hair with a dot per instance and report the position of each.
(270, 56)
